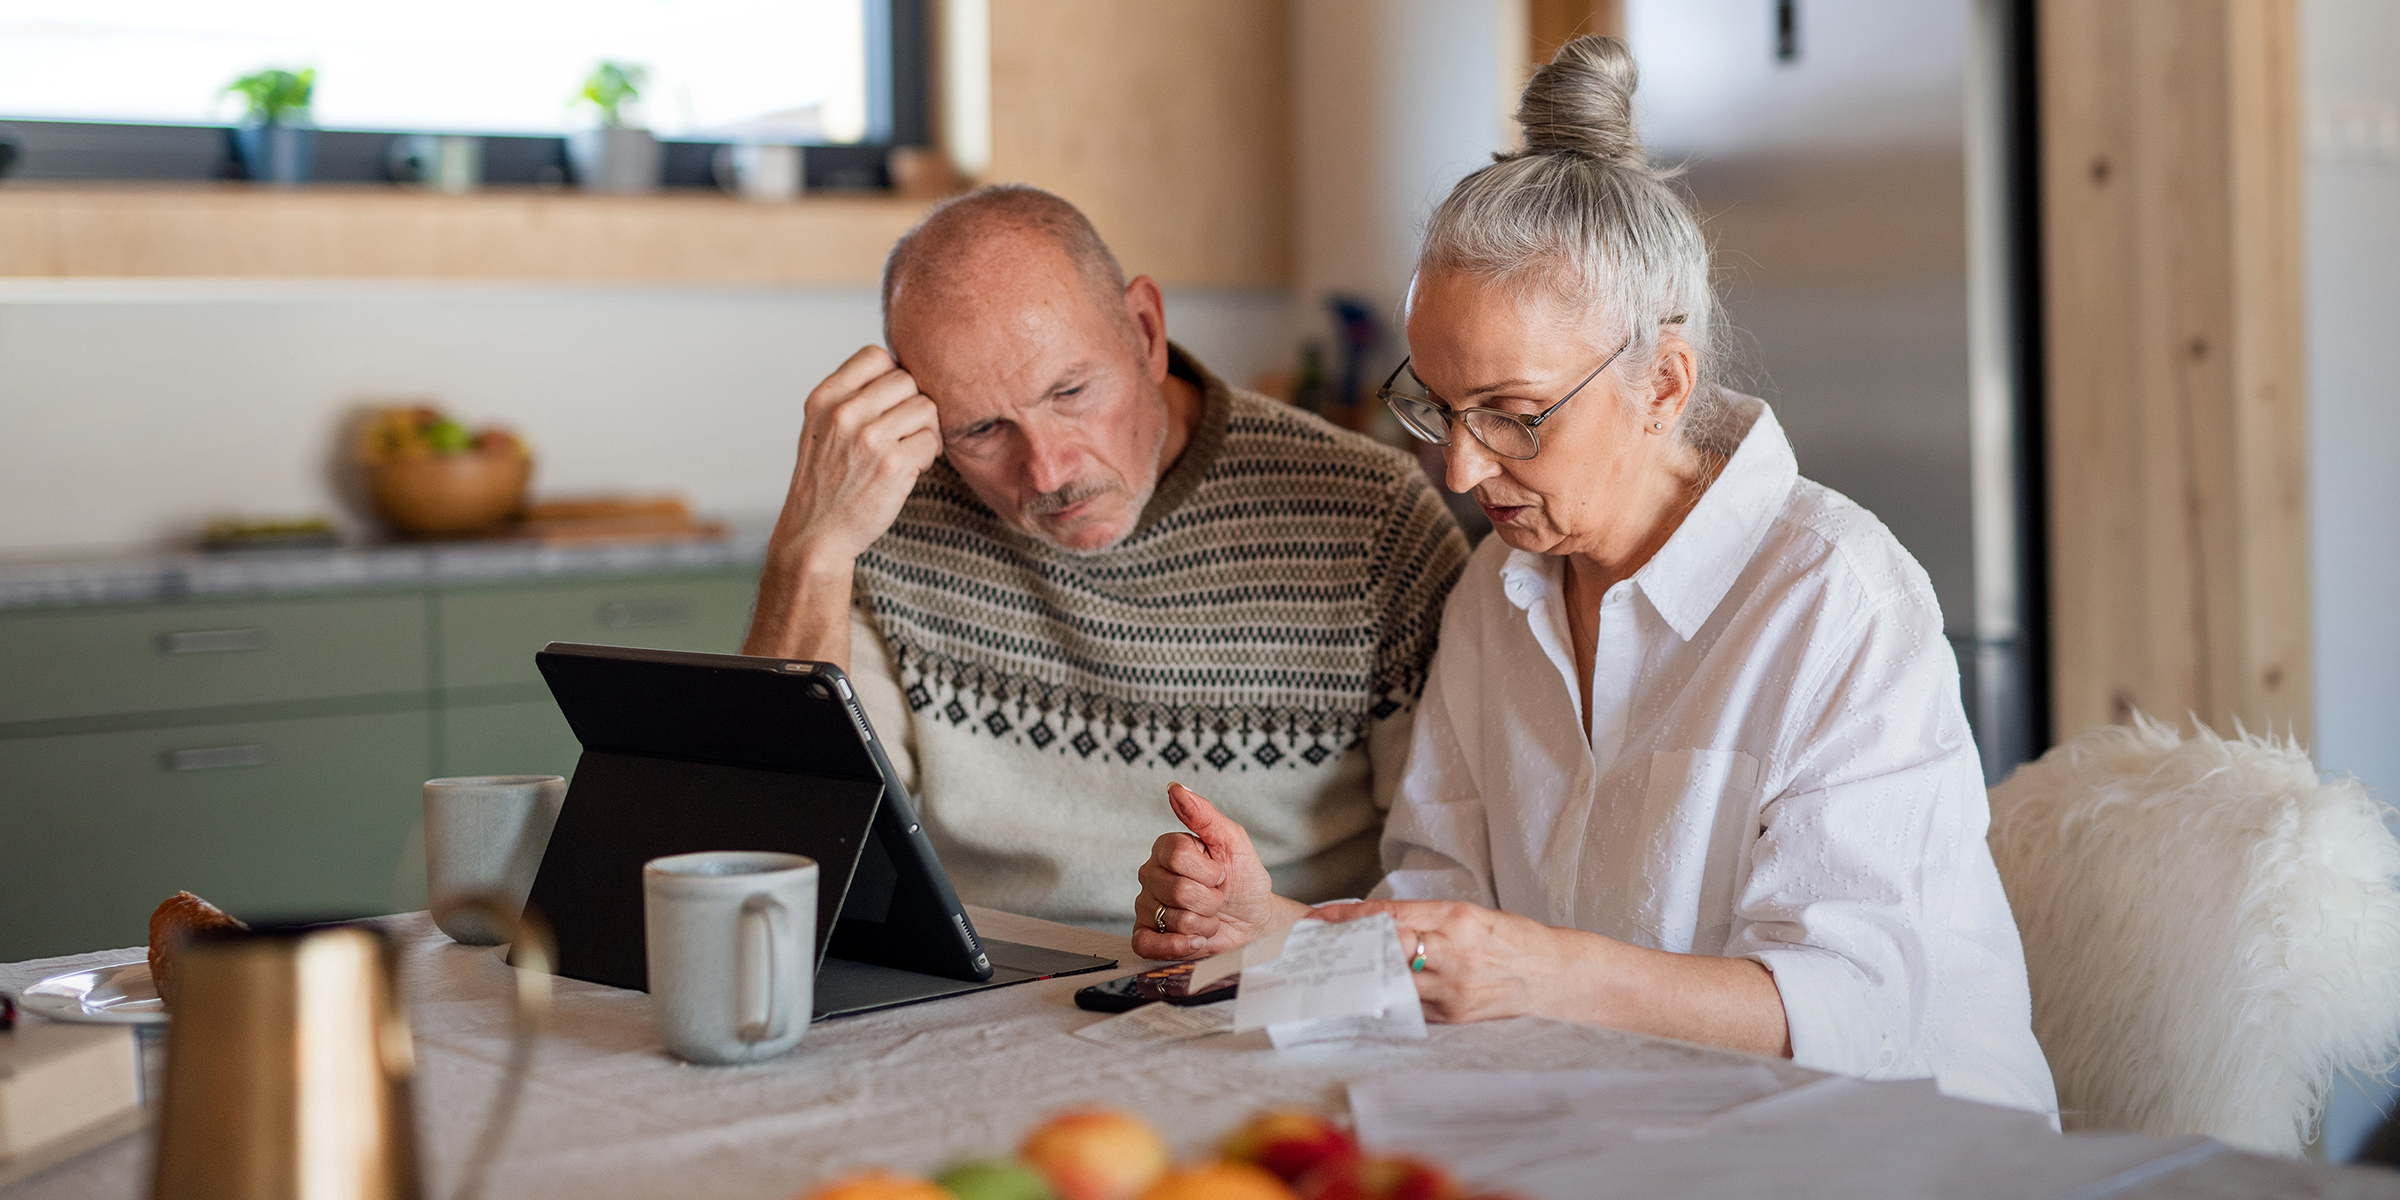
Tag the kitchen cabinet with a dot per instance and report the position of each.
(158, 657)
(526, 737)
(266, 752)
(489, 635)
(299, 817)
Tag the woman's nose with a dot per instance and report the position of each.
(1465, 462)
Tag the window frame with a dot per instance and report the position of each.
(898, 107)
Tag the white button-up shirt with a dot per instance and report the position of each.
(1776, 766)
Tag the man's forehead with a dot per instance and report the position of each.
(973, 352)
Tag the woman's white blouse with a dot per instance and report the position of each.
(1778, 768)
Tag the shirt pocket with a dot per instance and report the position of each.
(1698, 811)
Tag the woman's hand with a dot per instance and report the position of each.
(1207, 887)
(1480, 963)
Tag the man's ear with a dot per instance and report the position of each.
(1146, 307)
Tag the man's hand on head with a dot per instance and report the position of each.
(865, 436)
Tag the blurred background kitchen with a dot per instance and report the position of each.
(236, 243)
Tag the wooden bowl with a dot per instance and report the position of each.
(449, 495)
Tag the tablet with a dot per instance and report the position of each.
(685, 752)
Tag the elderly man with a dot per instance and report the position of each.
(1065, 565)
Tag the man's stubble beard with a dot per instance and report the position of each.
(1081, 490)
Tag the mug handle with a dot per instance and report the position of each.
(779, 921)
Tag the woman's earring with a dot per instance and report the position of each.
(1658, 426)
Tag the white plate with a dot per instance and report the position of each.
(105, 996)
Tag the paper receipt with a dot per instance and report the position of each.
(1332, 981)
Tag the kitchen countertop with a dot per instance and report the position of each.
(193, 574)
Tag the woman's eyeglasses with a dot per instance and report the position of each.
(1503, 433)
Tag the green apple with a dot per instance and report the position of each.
(995, 1179)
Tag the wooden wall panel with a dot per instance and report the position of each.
(1550, 24)
(235, 230)
(1167, 121)
(2175, 394)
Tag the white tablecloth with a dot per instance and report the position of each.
(610, 1116)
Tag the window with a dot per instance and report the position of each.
(135, 88)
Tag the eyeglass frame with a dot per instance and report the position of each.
(1458, 416)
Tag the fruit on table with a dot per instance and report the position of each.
(1290, 1142)
(1096, 1154)
(1220, 1181)
(879, 1185)
(995, 1179)
(1380, 1179)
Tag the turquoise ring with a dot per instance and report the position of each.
(1418, 963)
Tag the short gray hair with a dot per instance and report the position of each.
(1582, 212)
(949, 229)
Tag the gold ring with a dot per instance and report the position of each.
(1159, 920)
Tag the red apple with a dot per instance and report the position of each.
(1096, 1154)
(1291, 1142)
(1380, 1179)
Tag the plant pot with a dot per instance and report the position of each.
(449, 495)
(279, 154)
(615, 160)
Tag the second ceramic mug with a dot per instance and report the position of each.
(732, 939)
(484, 835)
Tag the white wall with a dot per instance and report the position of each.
(130, 412)
(1393, 101)
(2353, 188)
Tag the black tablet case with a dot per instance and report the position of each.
(689, 752)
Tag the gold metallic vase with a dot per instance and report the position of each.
(288, 1067)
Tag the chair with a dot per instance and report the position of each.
(2212, 932)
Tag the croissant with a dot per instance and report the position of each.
(171, 925)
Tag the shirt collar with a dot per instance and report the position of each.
(1690, 575)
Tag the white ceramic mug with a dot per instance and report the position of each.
(756, 171)
(732, 938)
(484, 835)
(443, 163)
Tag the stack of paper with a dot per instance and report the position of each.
(63, 1090)
(1569, 1135)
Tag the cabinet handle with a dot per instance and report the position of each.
(212, 641)
(214, 757)
(626, 614)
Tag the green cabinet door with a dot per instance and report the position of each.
(528, 737)
(85, 662)
(489, 635)
(267, 819)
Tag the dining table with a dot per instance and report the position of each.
(607, 1114)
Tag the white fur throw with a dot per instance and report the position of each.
(2212, 932)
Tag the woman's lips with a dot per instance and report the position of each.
(1502, 514)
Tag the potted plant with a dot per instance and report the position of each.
(614, 157)
(275, 141)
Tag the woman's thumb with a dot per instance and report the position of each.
(1199, 816)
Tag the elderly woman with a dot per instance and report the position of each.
(1691, 758)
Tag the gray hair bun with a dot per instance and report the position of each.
(1581, 214)
(1581, 103)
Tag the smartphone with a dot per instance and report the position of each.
(1171, 984)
